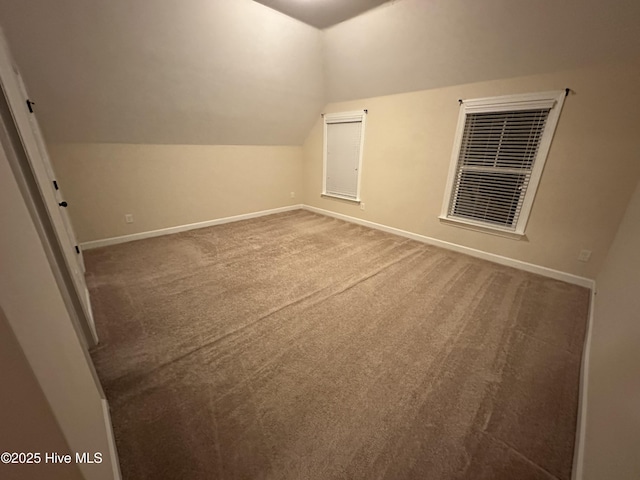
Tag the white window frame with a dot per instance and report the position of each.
(553, 100)
(354, 116)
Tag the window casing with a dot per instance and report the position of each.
(343, 144)
(499, 152)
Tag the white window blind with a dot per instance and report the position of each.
(495, 165)
(499, 153)
(343, 157)
(343, 152)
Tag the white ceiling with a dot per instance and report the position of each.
(238, 72)
(322, 13)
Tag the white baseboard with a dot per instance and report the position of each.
(183, 228)
(113, 452)
(492, 257)
(581, 427)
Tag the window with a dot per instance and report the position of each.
(499, 152)
(343, 140)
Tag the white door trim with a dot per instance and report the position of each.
(14, 93)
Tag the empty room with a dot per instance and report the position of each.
(320, 239)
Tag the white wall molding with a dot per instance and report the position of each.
(492, 257)
(581, 430)
(183, 228)
(113, 451)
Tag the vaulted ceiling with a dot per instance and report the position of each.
(238, 72)
(322, 13)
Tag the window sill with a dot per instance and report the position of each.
(455, 222)
(338, 197)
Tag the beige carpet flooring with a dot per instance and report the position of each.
(297, 346)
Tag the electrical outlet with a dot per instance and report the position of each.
(361, 205)
(584, 255)
(293, 194)
(128, 218)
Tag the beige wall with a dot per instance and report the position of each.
(26, 421)
(171, 185)
(206, 72)
(613, 412)
(35, 311)
(588, 179)
(410, 45)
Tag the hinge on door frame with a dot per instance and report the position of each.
(77, 250)
(29, 105)
(55, 185)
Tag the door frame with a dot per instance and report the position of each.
(31, 173)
